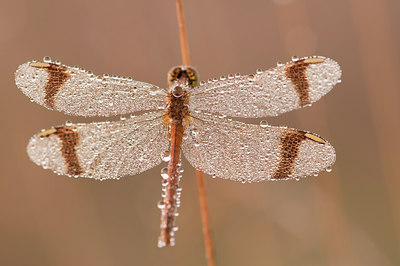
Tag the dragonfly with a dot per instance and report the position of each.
(196, 118)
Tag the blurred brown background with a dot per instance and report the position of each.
(350, 216)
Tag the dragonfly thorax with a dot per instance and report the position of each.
(178, 100)
(180, 80)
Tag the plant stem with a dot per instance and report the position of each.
(182, 33)
(202, 193)
(204, 220)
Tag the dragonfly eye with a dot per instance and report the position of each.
(183, 74)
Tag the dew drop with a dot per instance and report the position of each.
(161, 204)
(259, 71)
(177, 92)
(47, 59)
(329, 169)
(160, 244)
(264, 124)
(68, 123)
(164, 173)
(57, 62)
(295, 58)
(166, 156)
(153, 91)
(194, 132)
(279, 64)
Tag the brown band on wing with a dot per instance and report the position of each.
(290, 143)
(69, 140)
(297, 75)
(57, 76)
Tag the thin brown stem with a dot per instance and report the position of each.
(202, 193)
(182, 33)
(204, 220)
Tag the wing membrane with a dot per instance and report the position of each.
(268, 93)
(76, 91)
(251, 153)
(102, 150)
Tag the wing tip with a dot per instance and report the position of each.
(322, 77)
(327, 62)
(28, 80)
(303, 154)
(36, 154)
(322, 155)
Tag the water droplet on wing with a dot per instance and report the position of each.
(329, 169)
(264, 124)
(166, 156)
(47, 59)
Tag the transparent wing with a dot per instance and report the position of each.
(268, 93)
(102, 150)
(76, 91)
(252, 153)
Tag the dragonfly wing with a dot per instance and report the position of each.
(252, 153)
(76, 91)
(268, 93)
(104, 150)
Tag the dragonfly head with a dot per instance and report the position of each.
(183, 74)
